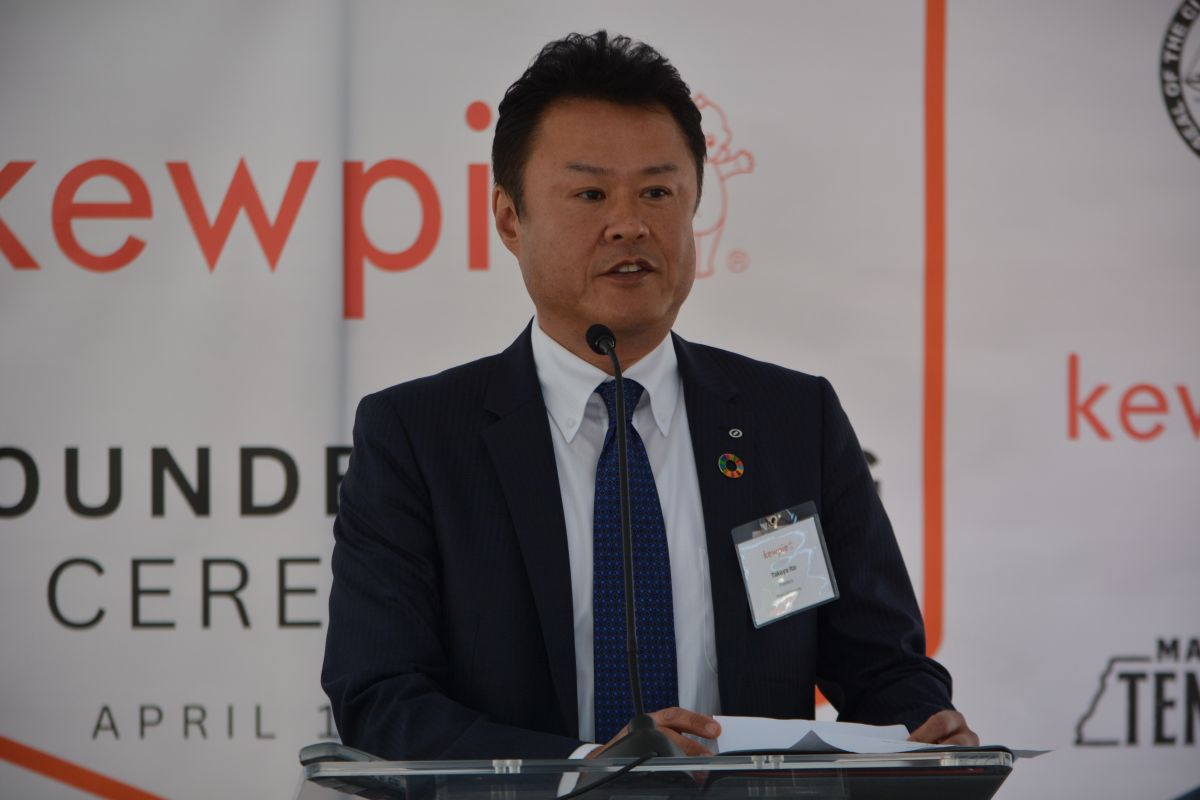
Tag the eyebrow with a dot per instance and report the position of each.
(591, 169)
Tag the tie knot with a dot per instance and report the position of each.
(608, 392)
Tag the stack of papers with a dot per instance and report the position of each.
(811, 736)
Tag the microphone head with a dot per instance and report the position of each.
(601, 339)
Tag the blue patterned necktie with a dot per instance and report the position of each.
(655, 619)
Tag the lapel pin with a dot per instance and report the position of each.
(730, 465)
(735, 433)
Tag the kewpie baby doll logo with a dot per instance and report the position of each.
(722, 163)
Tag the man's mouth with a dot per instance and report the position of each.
(631, 266)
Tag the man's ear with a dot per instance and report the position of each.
(508, 224)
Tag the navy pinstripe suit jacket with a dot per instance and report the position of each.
(450, 631)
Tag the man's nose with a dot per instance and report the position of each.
(626, 224)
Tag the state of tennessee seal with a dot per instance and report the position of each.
(1180, 62)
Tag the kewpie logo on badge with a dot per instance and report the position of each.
(778, 551)
(721, 164)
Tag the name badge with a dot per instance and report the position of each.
(785, 563)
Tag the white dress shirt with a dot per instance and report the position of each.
(579, 422)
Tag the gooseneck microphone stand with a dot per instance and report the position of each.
(644, 739)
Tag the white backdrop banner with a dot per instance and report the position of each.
(222, 224)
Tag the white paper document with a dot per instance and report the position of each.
(811, 736)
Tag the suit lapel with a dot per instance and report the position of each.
(523, 456)
(713, 411)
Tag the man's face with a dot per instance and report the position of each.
(605, 234)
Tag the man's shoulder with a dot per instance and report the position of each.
(744, 372)
(456, 386)
(464, 396)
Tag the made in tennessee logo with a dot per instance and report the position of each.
(1179, 63)
(1146, 699)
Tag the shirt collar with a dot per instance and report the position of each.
(568, 382)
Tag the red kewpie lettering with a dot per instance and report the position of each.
(479, 116)
(66, 210)
(357, 247)
(1129, 408)
(778, 551)
(1076, 409)
(1190, 409)
(12, 248)
(478, 216)
(242, 194)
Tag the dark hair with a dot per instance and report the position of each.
(618, 70)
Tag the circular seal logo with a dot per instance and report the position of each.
(1179, 61)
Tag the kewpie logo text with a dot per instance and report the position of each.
(271, 227)
(1139, 412)
(783, 549)
(213, 223)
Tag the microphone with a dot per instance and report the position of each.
(644, 738)
(603, 343)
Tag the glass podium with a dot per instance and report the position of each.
(953, 774)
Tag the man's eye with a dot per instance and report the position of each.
(657, 192)
(591, 194)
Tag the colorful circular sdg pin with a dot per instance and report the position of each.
(730, 465)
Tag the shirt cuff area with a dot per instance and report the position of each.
(571, 779)
(584, 750)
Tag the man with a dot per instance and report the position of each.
(474, 608)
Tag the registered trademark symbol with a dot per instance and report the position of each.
(738, 261)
